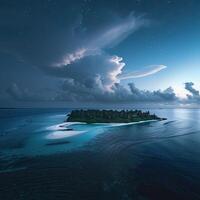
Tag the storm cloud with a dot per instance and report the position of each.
(73, 44)
(118, 93)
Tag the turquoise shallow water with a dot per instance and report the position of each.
(152, 160)
(40, 134)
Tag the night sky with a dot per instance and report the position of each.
(58, 53)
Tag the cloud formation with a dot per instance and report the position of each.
(76, 53)
(150, 70)
(108, 37)
(75, 91)
(89, 73)
(194, 95)
(95, 92)
(90, 67)
(68, 52)
(92, 75)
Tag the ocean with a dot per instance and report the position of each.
(41, 160)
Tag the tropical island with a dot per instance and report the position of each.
(110, 116)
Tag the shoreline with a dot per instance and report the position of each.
(126, 124)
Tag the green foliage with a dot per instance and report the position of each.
(110, 116)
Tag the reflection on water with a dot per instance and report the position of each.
(152, 160)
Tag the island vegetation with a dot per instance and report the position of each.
(110, 116)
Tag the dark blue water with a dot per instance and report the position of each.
(152, 160)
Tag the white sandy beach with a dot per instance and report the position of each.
(59, 130)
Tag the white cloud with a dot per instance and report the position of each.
(91, 74)
(106, 38)
(71, 57)
(150, 70)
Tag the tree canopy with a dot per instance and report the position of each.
(109, 116)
